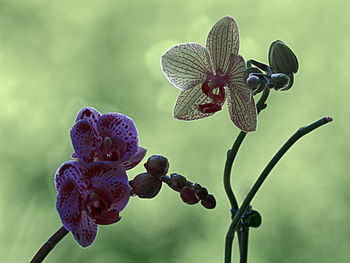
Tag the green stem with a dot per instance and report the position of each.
(244, 244)
(296, 136)
(49, 245)
(231, 155)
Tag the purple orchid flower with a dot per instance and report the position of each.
(90, 195)
(110, 137)
(208, 75)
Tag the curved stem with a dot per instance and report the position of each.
(231, 155)
(296, 136)
(49, 245)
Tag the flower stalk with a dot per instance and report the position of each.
(293, 139)
(49, 245)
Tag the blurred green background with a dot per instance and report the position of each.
(58, 56)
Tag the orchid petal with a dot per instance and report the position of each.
(112, 177)
(71, 170)
(69, 205)
(186, 65)
(83, 140)
(115, 125)
(243, 114)
(109, 217)
(121, 196)
(236, 69)
(135, 159)
(86, 232)
(222, 40)
(187, 104)
(90, 114)
(105, 175)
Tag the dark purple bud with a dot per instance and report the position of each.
(145, 185)
(188, 196)
(177, 182)
(210, 203)
(201, 192)
(157, 165)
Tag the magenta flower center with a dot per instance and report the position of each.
(213, 87)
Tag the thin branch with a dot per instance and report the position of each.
(296, 136)
(49, 245)
(231, 155)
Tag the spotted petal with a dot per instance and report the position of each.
(135, 159)
(90, 114)
(86, 231)
(115, 125)
(186, 65)
(187, 104)
(84, 142)
(73, 171)
(69, 205)
(243, 114)
(223, 39)
(105, 175)
(111, 177)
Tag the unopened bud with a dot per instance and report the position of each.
(201, 192)
(177, 182)
(188, 196)
(210, 202)
(282, 59)
(253, 82)
(145, 185)
(157, 165)
(279, 81)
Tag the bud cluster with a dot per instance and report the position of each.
(279, 75)
(148, 185)
(190, 193)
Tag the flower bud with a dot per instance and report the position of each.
(177, 182)
(201, 192)
(145, 185)
(279, 81)
(253, 82)
(188, 196)
(282, 59)
(157, 165)
(210, 202)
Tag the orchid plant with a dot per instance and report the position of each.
(93, 188)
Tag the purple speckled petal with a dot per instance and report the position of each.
(112, 177)
(120, 128)
(71, 170)
(135, 159)
(86, 231)
(90, 114)
(105, 175)
(83, 141)
(69, 205)
(121, 196)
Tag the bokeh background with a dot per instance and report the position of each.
(58, 56)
